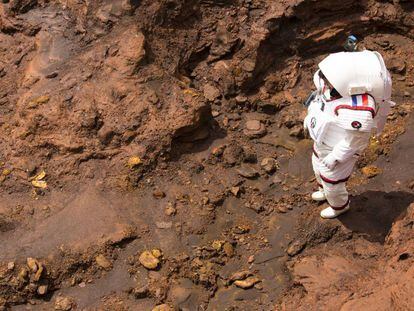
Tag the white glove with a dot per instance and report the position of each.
(305, 124)
(329, 161)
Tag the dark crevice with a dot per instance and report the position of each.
(195, 58)
(196, 139)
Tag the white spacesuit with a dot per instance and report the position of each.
(353, 99)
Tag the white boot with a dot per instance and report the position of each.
(329, 212)
(319, 195)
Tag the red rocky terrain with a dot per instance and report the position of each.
(153, 158)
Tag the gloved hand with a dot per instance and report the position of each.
(305, 131)
(305, 124)
(329, 161)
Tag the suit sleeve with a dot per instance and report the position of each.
(353, 142)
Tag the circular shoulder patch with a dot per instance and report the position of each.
(356, 125)
(313, 122)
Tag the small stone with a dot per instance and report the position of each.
(241, 275)
(247, 171)
(396, 65)
(254, 129)
(253, 125)
(38, 101)
(296, 131)
(248, 65)
(234, 116)
(250, 155)
(63, 303)
(218, 151)
(215, 113)
(164, 224)
(38, 273)
(282, 209)
(52, 75)
(242, 229)
(256, 206)
(407, 94)
(233, 154)
(158, 194)
(6, 172)
(295, 248)
(42, 290)
(211, 92)
(39, 184)
(269, 165)
(141, 292)
(276, 180)
(68, 98)
(241, 99)
(163, 307)
(225, 121)
(148, 260)
(258, 286)
(10, 266)
(235, 191)
(383, 44)
(103, 15)
(170, 210)
(32, 264)
(247, 283)
(156, 253)
(153, 98)
(217, 245)
(134, 162)
(128, 135)
(250, 259)
(371, 171)
(105, 134)
(23, 274)
(228, 249)
(103, 262)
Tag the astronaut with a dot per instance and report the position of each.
(351, 103)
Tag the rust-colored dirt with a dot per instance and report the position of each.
(175, 127)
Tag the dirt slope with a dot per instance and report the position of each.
(176, 125)
(368, 266)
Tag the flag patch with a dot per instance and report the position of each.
(360, 100)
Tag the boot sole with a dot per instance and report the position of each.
(333, 217)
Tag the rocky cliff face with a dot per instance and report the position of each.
(87, 81)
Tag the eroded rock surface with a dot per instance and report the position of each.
(144, 125)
